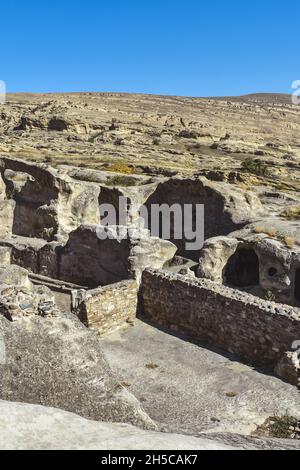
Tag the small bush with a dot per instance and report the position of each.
(280, 427)
(120, 168)
(255, 166)
(214, 146)
(270, 296)
(188, 134)
(121, 180)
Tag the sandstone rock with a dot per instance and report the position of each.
(289, 367)
(6, 211)
(226, 208)
(123, 254)
(58, 362)
(14, 275)
(214, 256)
(29, 427)
(266, 260)
(45, 203)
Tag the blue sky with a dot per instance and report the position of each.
(193, 48)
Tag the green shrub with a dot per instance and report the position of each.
(255, 166)
(283, 427)
(122, 180)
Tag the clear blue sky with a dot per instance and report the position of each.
(179, 47)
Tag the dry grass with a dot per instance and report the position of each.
(287, 240)
(272, 232)
(291, 213)
(152, 365)
(120, 168)
(126, 384)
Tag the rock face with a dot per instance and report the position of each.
(41, 203)
(90, 261)
(289, 367)
(225, 208)
(57, 362)
(7, 207)
(259, 260)
(29, 427)
(214, 256)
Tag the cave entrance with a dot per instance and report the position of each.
(297, 285)
(242, 269)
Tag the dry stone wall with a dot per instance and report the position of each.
(106, 309)
(256, 330)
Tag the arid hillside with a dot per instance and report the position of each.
(155, 134)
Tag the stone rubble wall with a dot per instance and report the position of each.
(106, 309)
(258, 331)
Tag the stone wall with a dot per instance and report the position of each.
(106, 309)
(258, 331)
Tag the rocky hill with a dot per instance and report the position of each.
(153, 134)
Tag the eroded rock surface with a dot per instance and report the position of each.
(57, 362)
(29, 427)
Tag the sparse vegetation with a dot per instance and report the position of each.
(270, 296)
(126, 384)
(281, 427)
(214, 146)
(287, 240)
(196, 146)
(291, 213)
(121, 180)
(272, 232)
(255, 166)
(152, 365)
(120, 168)
(231, 394)
(188, 134)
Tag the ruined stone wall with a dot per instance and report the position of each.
(106, 309)
(256, 330)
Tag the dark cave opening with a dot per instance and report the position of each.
(242, 269)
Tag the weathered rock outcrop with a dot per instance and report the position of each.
(58, 362)
(289, 367)
(226, 208)
(122, 254)
(47, 204)
(256, 258)
(7, 207)
(29, 427)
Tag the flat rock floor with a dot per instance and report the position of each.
(189, 388)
